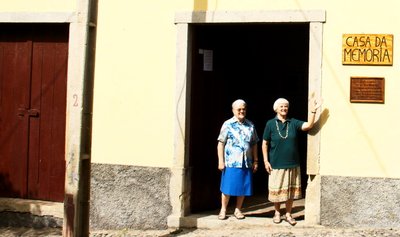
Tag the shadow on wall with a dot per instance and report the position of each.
(323, 118)
(199, 6)
(6, 188)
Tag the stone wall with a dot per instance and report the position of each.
(17, 219)
(360, 202)
(129, 197)
(17, 212)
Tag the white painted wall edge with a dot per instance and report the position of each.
(37, 17)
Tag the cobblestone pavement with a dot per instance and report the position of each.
(239, 231)
(262, 232)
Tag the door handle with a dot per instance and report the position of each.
(30, 112)
(33, 113)
(21, 112)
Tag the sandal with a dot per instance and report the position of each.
(222, 215)
(277, 218)
(291, 220)
(238, 214)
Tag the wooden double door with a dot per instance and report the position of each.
(33, 82)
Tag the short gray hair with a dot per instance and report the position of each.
(280, 101)
(238, 102)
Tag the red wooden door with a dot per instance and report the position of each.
(33, 76)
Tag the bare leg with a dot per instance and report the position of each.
(277, 206)
(224, 205)
(224, 201)
(277, 216)
(289, 218)
(239, 202)
(289, 205)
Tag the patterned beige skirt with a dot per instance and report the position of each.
(284, 184)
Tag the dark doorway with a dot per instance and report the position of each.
(255, 62)
(33, 84)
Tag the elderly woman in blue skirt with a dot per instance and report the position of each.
(237, 158)
(281, 156)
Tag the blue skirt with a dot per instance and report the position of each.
(237, 181)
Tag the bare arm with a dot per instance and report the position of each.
(221, 158)
(310, 122)
(264, 149)
(255, 157)
(311, 116)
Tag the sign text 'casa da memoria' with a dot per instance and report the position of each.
(367, 49)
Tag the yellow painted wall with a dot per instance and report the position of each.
(360, 139)
(135, 83)
(37, 6)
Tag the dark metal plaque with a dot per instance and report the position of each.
(367, 90)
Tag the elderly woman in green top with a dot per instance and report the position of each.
(281, 156)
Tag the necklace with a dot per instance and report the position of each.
(279, 132)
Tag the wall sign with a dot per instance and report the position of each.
(367, 49)
(367, 89)
(207, 59)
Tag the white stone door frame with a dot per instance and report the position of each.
(180, 183)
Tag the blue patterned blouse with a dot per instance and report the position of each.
(238, 139)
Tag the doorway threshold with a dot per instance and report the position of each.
(257, 210)
(34, 207)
